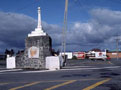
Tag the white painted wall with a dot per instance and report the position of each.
(98, 55)
(52, 63)
(10, 62)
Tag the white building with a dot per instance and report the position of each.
(97, 55)
(69, 54)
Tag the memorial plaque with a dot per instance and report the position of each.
(33, 52)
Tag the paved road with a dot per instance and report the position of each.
(92, 77)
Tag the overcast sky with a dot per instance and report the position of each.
(91, 23)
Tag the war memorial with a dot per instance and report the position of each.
(38, 45)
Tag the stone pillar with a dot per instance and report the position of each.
(39, 18)
(42, 46)
(37, 49)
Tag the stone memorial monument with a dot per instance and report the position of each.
(37, 47)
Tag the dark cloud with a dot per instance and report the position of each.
(100, 31)
(13, 29)
(110, 17)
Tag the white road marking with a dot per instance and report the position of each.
(82, 66)
(27, 71)
(10, 70)
(113, 67)
(1, 72)
(93, 68)
(38, 71)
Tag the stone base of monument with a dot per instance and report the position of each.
(37, 49)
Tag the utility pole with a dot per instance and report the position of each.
(117, 44)
(64, 29)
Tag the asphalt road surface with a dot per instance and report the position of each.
(88, 75)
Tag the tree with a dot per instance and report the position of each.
(53, 52)
(58, 51)
(12, 52)
(7, 52)
(74, 57)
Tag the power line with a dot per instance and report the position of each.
(27, 6)
(77, 2)
(117, 46)
(114, 1)
(80, 3)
